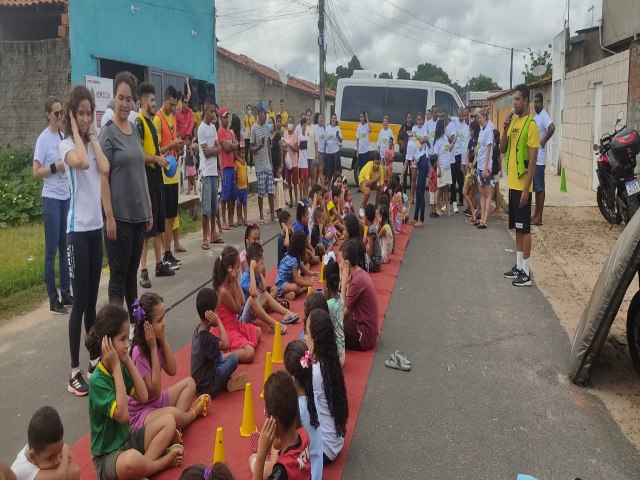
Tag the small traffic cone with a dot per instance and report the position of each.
(309, 290)
(322, 269)
(276, 355)
(218, 448)
(248, 419)
(563, 182)
(268, 370)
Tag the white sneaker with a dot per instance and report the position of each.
(455, 208)
(361, 212)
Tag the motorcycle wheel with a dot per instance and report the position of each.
(633, 331)
(610, 214)
(632, 206)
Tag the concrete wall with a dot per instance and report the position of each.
(620, 20)
(501, 106)
(558, 57)
(29, 72)
(237, 87)
(584, 49)
(579, 112)
(633, 102)
(173, 36)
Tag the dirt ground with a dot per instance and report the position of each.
(568, 253)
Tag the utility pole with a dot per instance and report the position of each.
(321, 46)
(511, 72)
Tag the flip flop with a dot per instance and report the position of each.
(205, 246)
(284, 302)
(181, 250)
(394, 363)
(239, 382)
(225, 227)
(218, 240)
(482, 226)
(402, 357)
(177, 450)
(283, 328)
(177, 437)
(291, 318)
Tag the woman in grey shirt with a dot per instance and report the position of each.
(125, 195)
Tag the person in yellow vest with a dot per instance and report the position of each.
(170, 144)
(247, 123)
(520, 142)
(154, 164)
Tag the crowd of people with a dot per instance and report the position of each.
(120, 189)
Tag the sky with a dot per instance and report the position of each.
(389, 34)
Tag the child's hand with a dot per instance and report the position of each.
(212, 318)
(253, 265)
(345, 273)
(150, 336)
(109, 355)
(267, 436)
(283, 227)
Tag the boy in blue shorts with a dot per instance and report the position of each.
(228, 144)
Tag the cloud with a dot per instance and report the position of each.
(283, 33)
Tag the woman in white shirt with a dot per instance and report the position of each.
(304, 145)
(420, 134)
(362, 140)
(311, 151)
(332, 148)
(48, 166)
(320, 144)
(485, 162)
(84, 164)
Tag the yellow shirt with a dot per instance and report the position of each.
(249, 120)
(271, 114)
(241, 176)
(284, 116)
(533, 141)
(367, 173)
(197, 118)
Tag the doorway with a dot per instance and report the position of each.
(597, 120)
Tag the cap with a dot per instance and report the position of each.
(224, 111)
(476, 112)
(262, 107)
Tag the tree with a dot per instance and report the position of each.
(482, 83)
(385, 75)
(346, 72)
(403, 74)
(431, 73)
(535, 59)
(330, 80)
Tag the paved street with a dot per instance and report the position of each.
(487, 396)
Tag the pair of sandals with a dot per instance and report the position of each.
(177, 449)
(399, 361)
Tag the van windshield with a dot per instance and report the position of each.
(378, 101)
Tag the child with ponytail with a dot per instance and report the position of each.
(335, 303)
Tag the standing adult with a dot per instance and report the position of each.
(484, 165)
(228, 144)
(291, 148)
(153, 164)
(332, 149)
(283, 115)
(321, 143)
(271, 113)
(261, 149)
(247, 122)
(276, 149)
(520, 142)
(209, 168)
(184, 119)
(407, 127)
(125, 196)
(86, 166)
(457, 173)
(49, 166)
(384, 136)
(450, 132)
(361, 301)
(422, 142)
(431, 124)
(546, 128)
(362, 140)
(170, 144)
(311, 150)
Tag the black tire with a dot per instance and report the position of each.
(633, 331)
(610, 213)
(632, 207)
(355, 168)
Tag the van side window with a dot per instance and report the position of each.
(444, 100)
(355, 99)
(403, 100)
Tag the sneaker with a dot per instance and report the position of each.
(172, 264)
(513, 273)
(58, 308)
(163, 270)
(169, 257)
(237, 383)
(455, 208)
(90, 369)
(67, 300)
(77, 385)
(523, 280)
(361, 212)
(144, 278)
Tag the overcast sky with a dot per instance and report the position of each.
(283, 33)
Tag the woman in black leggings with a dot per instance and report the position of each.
(85, 164)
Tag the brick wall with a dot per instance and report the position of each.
(29, 72)
(237, 87)
(633, 102)
(579, 112)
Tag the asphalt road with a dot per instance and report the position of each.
(487, 397)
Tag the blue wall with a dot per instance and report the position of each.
(158, 35)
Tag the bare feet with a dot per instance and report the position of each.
(419, 224)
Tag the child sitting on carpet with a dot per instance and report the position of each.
(386, 233)
(251, 236)
(348, 203)
(334, 207)
(218, 471)
(372, 241)
(118, 451)
(323, 237)
(259, 303)
(297, 362)
(282, 431)
(328, 382)
(210, 369)
(243, 337)
(302, 225)
(289, 282)
(335, 303)
(151, 354)
(45, 450)
(284, 219)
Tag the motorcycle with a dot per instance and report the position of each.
(618, 188)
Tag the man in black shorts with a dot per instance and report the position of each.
(520, 142)
(153, 163)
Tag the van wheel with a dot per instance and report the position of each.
(355, 168)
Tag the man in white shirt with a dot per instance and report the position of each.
(450, 131)
(547, 129)
(431, 124)
(457, 174)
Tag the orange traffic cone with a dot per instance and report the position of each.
(218, 449)
(277, 355)
(268, 370)
(248, 419)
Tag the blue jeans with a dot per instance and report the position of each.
(363, 158)
(224, 369)
(54, 213)
(423, 171)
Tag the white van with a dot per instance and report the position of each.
(378, 97)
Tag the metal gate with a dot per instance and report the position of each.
(161, 80)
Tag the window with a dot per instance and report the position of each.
(356, 99)
(444, 100)
(403, 100)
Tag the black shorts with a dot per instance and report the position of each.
(157, 212)
(171, 200)
(519, 218)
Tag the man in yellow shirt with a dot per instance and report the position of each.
(283, 115)
(371, 177)
(520, 142)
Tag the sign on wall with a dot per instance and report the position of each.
(102, 90)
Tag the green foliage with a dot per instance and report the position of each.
(346, 72)
(403, 74)
(385, 75)
(429, 72)
(20, 192)
(330, 80)
(535, 59)
(482, 83)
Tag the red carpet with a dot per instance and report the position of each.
(226, 410)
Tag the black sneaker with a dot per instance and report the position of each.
(523, 280)
(90, 369)
(58, 308)
(169, 256)
(144, 279)
(67, 300)
(171, 261)
(513, 273)
(77, 385)
(163, 270)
